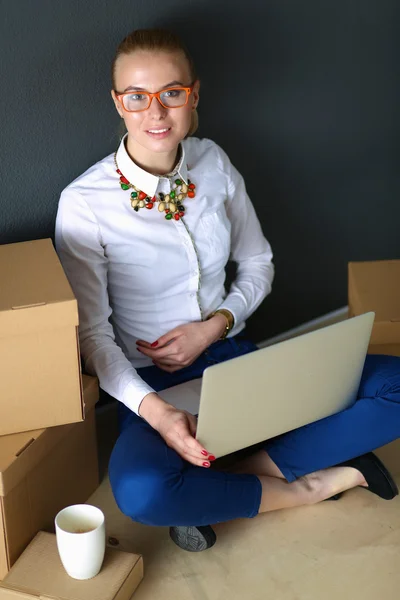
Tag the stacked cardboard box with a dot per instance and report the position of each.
(375, 286)
(48, 450)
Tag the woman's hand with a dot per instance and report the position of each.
(176, 427)
(181, 346)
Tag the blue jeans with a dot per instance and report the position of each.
(152, 484)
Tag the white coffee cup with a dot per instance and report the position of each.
(81, 540)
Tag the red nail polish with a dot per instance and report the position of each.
(204, 452)
(211, 457)
(154, 344)
(206, 464)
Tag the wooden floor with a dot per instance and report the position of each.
(347, 550)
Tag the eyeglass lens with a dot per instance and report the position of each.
(172, 98)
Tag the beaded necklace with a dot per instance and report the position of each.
(170, 204)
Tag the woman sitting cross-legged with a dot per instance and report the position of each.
(144, 236)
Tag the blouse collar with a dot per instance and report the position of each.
(144, 181)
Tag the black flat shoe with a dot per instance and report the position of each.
(378, 478)
(193, 539)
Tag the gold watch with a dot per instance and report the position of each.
(229, 320)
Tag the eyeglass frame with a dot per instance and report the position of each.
(151, 95)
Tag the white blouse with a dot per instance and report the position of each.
(137, 275)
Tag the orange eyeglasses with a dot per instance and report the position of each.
(174, 97)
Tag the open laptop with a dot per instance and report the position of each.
(273, 390)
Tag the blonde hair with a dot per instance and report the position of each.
(155, 40)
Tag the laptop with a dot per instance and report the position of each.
(273, 390)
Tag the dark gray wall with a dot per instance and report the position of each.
(303, 95)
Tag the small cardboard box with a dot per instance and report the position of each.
(39, 574)
(375, 286)
(40, 370)
(43, 471)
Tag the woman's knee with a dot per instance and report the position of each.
(147, 497)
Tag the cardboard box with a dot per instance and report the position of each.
(375, 286)
(41, 472)
(40, 370)
(39, 574)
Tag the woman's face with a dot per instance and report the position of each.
(152, 72)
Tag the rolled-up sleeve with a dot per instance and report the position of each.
(79, 246)
(249, 248)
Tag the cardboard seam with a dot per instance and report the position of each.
(3, 521)
(78, 349)
(3, 517)
(123, 584)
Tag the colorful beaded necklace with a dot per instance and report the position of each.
(170, 204)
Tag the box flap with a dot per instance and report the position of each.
(375, 286)
(31, 274)
(20, 452)
(34, 288)
(38, 573)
